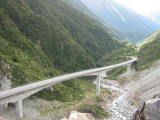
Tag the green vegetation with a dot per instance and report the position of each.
(99, 99)
(148, 54)
(27, 61)
(40, 39)
(64, 33)
(88, 97)
(118, 55)
(113, 74)
(96, 110)
(68, 91)
(150, 38)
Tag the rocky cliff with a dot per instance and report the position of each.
(149, 111)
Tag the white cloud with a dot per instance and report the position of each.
(142, 6)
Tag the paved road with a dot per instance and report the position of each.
(16, 95)
(46, 83)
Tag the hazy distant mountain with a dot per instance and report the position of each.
(131, 25)
(155, 35)
(79, 5)
(156, 16)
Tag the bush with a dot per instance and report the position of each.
(95, 110)
(148, 54)
(113, 74)
(99, 99)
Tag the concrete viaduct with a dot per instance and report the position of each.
(16, 95)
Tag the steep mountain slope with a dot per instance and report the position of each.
(40, 39)
(132, 25)
(150, 38)
(57, 17)
(27, 62)
(79, 5)
(53, 38)
(148, 54)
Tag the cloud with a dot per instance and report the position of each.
(142, 6)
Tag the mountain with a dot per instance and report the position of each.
(118, 55)
(77, 4)
(155, 16)
(148, 53)
(41, 39)
(131, 25)
(150, 38)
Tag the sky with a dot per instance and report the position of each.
(145, 7)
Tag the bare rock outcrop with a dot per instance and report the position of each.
(149, 111)
(79, 116)
(1, 118)
(5, 76)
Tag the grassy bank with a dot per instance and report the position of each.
(88, 91)
(113, 74)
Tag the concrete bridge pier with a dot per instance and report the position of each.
(129, 67)
(19, 108)
(98, 84)
(16, 95)
(6, 105)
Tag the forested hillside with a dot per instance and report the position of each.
(155, 35)
(61, 31)
(43, 38)
(79, 5)
(149, 52)
(118, 55)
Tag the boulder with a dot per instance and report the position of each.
(139, 114)
(1, 118)
(149, 111)
(152, 109)
(79, 116)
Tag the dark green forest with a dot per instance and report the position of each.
(40, 39)
(148, 54)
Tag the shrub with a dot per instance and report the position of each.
(95, 110)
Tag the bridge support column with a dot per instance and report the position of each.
(6, 105)
(19, 108)
(129, 67)
(98, 85)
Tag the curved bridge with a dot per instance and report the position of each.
(16, 95)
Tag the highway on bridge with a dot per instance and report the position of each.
(16, 95)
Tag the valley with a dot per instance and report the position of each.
(78, 59)
(129, 24)
(117, 106)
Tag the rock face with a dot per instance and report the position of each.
(1, 118)
(152, 109)
(79, 116)
(149, 111)
(5, 77)
(5, 83)
(139, 114)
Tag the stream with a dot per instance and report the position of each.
(120, 108)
